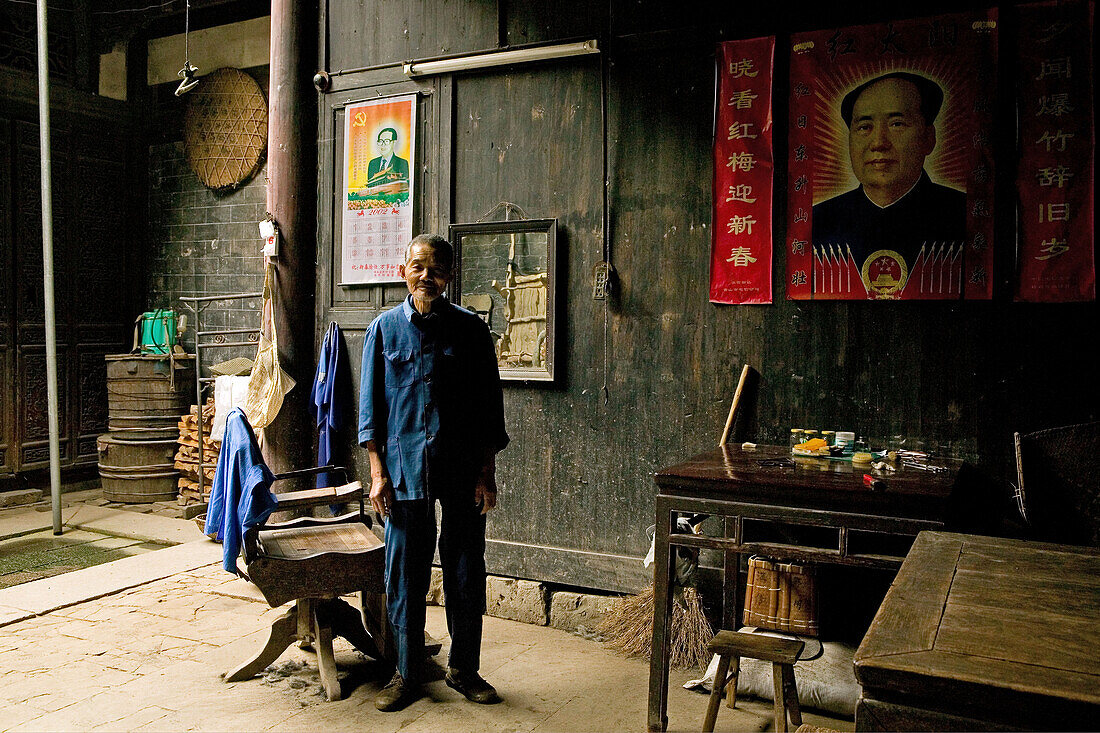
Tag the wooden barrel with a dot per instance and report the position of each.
(137, 471)
(148, 393)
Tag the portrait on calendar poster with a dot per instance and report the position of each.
(379, 183)
(891, 174)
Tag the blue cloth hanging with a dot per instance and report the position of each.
(330, 399)
(240, 496)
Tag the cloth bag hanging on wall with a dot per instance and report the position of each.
(268, 383)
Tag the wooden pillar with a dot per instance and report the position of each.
(291, 198)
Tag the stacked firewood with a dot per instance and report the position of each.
(187, 457)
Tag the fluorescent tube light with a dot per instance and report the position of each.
(499, 58)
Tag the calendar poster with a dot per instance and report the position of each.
(379, 150)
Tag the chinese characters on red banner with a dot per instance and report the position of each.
(741, 243)
(890, 188)
(1055, 255)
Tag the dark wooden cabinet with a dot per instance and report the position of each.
(93, 271)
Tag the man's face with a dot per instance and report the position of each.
(425, 275)
(385, 143)
(888, 140)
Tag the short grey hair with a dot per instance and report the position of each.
(443, 249)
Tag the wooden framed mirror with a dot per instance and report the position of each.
(506, 272)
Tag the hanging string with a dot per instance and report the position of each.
(187, 35)
(508, 206)
(187, 73)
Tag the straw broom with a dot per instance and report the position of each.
(628, 628)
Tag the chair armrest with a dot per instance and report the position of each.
(340, 470)
(315, 497)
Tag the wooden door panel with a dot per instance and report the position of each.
(98, 249)
(27, 224)
(6, 402)
(90, 399)
(375, 298)
(32, 407)
(92, 264)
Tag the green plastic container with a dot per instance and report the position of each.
(158, 331)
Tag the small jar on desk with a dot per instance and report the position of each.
(796, 436)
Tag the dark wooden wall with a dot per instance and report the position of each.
(648, 375)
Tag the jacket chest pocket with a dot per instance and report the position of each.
(400, 368)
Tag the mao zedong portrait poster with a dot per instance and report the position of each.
(890, 195)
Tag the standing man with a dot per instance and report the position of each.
(896, 208)
(388, 167)
(431, 416)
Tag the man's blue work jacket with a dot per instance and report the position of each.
(430, 398)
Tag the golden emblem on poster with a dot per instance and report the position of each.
(884, 274)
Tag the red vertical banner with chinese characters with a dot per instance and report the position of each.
(741, 244)
(1055, 249)
(890, 167)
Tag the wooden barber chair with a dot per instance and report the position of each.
(313, 562)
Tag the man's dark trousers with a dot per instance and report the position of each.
(410, 545)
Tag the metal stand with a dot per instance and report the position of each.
(217, 340)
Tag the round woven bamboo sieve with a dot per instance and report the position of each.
(225, 128)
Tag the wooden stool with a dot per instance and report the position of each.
(730, 646)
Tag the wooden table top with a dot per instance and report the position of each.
(734, 473)
(1007, 627)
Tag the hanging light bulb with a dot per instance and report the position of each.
(187, 73)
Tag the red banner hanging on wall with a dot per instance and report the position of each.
(1057, 143)
(890, 189)
(741, 242)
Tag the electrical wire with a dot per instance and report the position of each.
(186, 35)
(605, 72)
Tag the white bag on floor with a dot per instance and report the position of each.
(826, 681)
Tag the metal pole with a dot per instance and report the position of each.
(47, 265)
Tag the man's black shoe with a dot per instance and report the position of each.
(397, 695)
(471, 686)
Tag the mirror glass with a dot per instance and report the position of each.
(505, 274)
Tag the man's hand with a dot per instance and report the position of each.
(485, 490)
(381, 488)
(381, 495)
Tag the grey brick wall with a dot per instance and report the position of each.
(203, 243)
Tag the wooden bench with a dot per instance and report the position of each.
(730, 646)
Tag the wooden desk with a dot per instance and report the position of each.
(981, 633)
(751, 495)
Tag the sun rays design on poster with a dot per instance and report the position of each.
(363, 129)
(948, 164)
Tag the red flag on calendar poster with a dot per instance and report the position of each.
(741, 242)
(1057, 144)
(890, 190)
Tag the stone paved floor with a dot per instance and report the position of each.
(149, 659)
(141, 643)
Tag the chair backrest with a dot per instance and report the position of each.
(481, 304)
(1058, 474)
